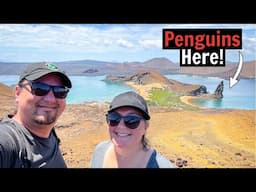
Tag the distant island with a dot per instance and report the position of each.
(162, 65)
(145, 82)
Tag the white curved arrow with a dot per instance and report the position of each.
(233, 81)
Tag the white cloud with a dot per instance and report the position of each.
(124, 43)
(73, 36)
(104, 39)
(249, 47)
(151, 43)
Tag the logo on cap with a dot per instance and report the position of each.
(51, 66)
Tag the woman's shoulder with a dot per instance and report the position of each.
(163, 162)
(99, 153)
(103, 145)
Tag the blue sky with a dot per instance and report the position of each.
(103, 42)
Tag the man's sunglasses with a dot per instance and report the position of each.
(131, 121)
(42, 89)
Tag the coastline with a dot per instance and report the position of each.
(205, 138)
(187, 100)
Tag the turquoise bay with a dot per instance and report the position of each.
(240, 96)
(86, 89)
(93, 88)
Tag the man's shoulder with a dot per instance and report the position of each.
(8, 136)
(5, 125)
(8, 131)
(4, 119)
(7, 121)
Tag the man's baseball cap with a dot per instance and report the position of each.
(35, 71)
(130, 99)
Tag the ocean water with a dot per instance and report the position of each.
(240, 96)
(86, 89)
(9, 79)
(94, 89)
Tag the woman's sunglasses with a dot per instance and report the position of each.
(130, 121)
(42, 89)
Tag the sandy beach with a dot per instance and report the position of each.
(187, 100)
(206, 138)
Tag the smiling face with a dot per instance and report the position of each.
(39, 112)
(124, 137)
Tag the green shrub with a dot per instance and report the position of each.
(167, 98)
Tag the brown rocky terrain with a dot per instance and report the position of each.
(7, 100)
(192, 139)
(206, 138)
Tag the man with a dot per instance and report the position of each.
(27, 138)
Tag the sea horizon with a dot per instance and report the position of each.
(94, 89)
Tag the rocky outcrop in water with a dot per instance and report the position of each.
(218, 93)
(147, 77)
(201, 90)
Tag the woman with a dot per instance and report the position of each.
(128, 121)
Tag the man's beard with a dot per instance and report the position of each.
(46, 119)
